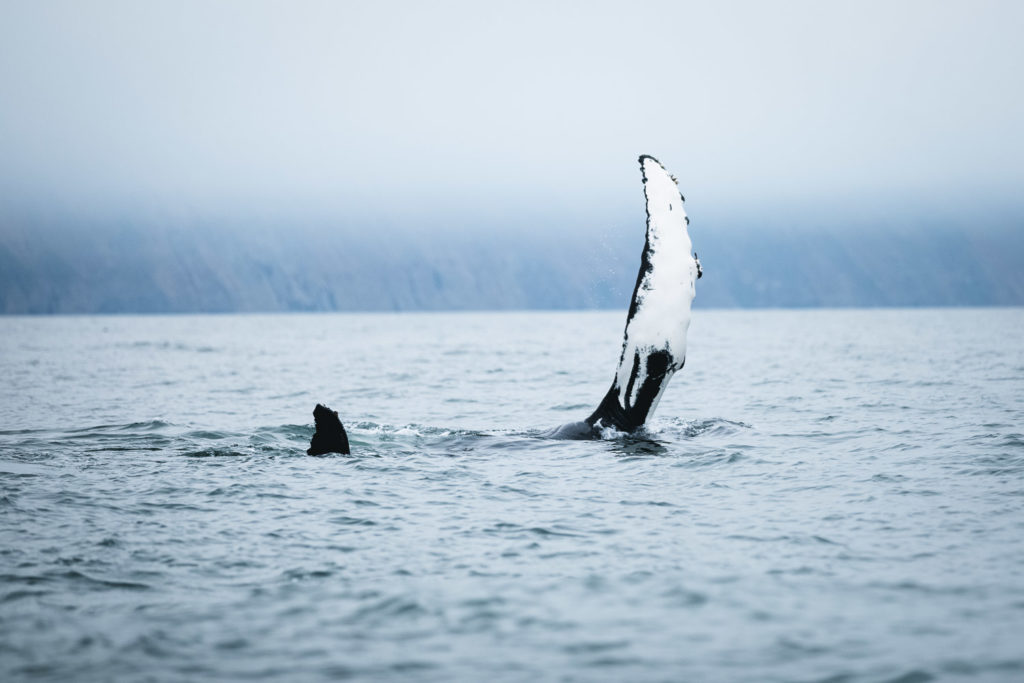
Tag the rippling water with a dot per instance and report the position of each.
(823, 495)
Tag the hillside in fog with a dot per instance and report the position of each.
(163, 269)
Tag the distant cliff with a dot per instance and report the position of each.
(110, 268)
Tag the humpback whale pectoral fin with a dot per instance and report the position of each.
(654, 343)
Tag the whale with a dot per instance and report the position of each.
(654, 340)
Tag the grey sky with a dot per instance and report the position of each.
(408, 107)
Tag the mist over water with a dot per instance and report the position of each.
(557, 262)
(823, 495)
(326, 106)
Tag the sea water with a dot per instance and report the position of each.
(821, 496)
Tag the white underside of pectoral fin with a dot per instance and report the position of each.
(660, 311)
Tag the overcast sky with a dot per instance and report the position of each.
(517, 109)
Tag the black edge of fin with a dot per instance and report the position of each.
(330, 436)
(645, 256)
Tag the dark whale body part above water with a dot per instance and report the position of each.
(330, 436)
(654, 343)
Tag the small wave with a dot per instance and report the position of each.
(289, 431)
(916, 587)
(167, 346)
(346, 520)
(299, 574)
(914, 676)
(128, 449)
(517, 530)
(1012, 441)
(207, 435)
(714, 426)
(656, 503)
(386, 610)
(715, 457)
(20, 432)
(76, 577)
(633, 446)
(589, 647)
(149, 426)
(21, 594)
(215, 453)
(22, 469)
(962, 668)
(294, 394)
(571, 406)
(412, 429)
(682, 597)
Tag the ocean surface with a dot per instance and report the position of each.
(822, 496)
